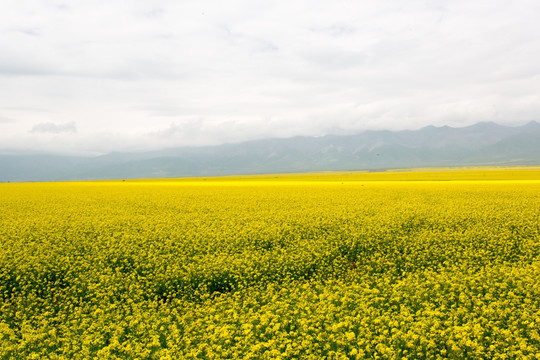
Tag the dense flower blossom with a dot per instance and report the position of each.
(340, 266)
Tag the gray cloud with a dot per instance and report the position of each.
(20, 69)
(28, 31)
(5, 120)
(52, 128)
(252, 44)
(154, 13)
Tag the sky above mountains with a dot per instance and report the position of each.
(99, 76)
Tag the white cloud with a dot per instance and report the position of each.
(168, 73)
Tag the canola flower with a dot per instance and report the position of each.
(393, 265)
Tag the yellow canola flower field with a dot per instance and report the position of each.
(426, 264)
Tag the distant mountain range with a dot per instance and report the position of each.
(484, 143)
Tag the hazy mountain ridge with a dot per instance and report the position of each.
(480, 144)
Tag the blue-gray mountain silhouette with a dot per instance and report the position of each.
(481, 144)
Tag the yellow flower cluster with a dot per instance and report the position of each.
(402, 265)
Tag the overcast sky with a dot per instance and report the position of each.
(103, 75)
